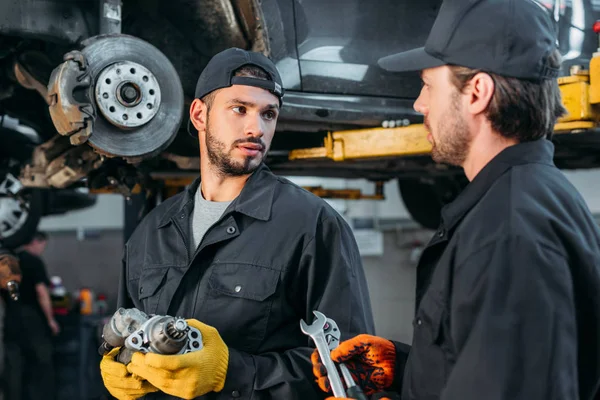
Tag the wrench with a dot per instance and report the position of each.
(333, 334)
(315, 331)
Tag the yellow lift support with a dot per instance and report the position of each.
(580, 95)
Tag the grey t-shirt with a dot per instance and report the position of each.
(206, 213)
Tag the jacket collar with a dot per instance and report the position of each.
(535, 152)
(255, 199)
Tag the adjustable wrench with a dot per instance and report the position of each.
(316, 332)
(333, 334)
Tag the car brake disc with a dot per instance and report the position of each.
(137, 93)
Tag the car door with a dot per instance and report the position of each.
(340, 41)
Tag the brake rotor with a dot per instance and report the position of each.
(127, 94)
(138, 93)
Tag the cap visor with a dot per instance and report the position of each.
(412, 60)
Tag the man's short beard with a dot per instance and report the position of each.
(220, 158)
(452, 146)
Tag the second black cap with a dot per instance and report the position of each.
(512, 38)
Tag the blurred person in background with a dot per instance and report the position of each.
(28, 329)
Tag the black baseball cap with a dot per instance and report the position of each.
(512, 38)
(218, 74)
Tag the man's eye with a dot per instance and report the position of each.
(239, 109)
(270, 115)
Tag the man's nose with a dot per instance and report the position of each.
(420, 105)
(255, 126)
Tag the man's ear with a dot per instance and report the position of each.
(481, 90)
(198, 112)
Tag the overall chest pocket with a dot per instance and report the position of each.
(428, 361)
(238, 303)
(150, 285)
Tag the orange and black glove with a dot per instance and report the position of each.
(370, 359)
(346, 398)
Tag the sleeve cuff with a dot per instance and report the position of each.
(402, 351)
(239, 381)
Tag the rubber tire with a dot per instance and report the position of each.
(25, 234)
(424, 200)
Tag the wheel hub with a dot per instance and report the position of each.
(127, 94)
(12, 214)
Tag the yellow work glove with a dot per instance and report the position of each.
(121, 383)
(187, 375)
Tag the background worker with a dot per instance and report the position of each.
(242, 253)
(29, 327)
(508, 289)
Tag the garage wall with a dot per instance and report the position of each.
(92, 261)
(392, 279)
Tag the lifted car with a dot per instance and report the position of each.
(107, 86)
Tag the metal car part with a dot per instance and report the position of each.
(72, 166)
(110, 16)
(127, 94)
(71, 116)
(165, 335)
(28, 81)
(160, 129)
(13, 213)
(56, 163)
(123, 323)
(10, 273)
(13, 290)
(133, 330)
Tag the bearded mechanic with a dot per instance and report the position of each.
(242, 253)
(508, 289)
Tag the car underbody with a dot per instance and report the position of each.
(106, 87)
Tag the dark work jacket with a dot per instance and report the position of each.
(508, 289)
(277, 253)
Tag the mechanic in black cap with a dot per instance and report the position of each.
(242, 254)
(508, 289)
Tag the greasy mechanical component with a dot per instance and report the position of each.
(73, 117)
(110, 16)
(28, 81)
(10, 273)
(56, 163)
(12, 214)
(160, 123)
(133, 330)
(127, 94)
(20, 212)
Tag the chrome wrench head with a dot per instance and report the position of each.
(317, 325)
(316, 332)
